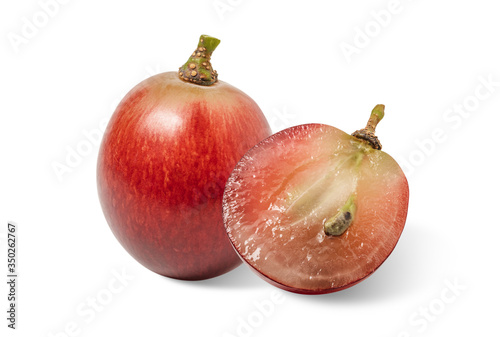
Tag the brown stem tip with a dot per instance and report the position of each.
(368, 133)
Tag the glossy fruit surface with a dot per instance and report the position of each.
(163, 163)
(315, 210)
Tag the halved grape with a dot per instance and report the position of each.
(315, 210)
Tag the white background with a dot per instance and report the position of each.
(427, 62)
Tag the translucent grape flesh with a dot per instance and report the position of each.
(283, 190)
